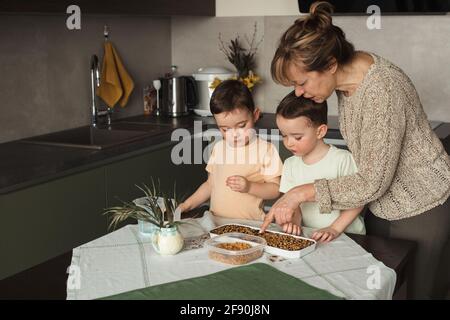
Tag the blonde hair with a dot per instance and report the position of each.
(312, 42)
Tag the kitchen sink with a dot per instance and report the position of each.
(97, 138)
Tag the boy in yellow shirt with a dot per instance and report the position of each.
(243, 170)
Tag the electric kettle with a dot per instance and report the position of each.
(178, 94)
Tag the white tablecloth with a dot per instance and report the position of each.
(125, 260)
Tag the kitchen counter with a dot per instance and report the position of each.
(24, 165)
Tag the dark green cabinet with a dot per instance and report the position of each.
(122, 177)
(41, 222)
(44, 221)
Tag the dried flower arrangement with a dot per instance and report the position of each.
(243, 59)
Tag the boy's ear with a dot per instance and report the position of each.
(256, 114)
(322, 131)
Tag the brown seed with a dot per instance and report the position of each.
(238, 259)
(277, 240)
(234, 246)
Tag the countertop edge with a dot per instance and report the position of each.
(162, 141)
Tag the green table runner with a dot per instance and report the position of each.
(257, 281)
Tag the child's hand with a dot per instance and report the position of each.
(183, 207)
(238, 184)
(326, 234)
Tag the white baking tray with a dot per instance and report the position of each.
(276, 251)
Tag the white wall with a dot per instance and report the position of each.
(420, 45)
(238, 8)
(44, 67)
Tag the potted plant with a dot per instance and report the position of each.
(157, 211)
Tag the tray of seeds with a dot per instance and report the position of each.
(235, 248)
(278, 243)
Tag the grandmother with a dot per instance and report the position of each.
(403, 170)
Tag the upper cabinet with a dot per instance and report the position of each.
(235, 8)
(218, 8)
(386, 7)
(143, 7)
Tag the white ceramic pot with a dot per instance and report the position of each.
(168, 241)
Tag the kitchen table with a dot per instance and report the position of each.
(48, 280)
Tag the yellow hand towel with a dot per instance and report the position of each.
(115, 82)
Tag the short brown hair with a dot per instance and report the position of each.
(292, 107)
(314, 41)
(230, 95)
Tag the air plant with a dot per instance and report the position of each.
(151, 211)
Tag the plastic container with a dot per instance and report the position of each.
(235, 248)
(290, 254)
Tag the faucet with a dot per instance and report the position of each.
(95, 83)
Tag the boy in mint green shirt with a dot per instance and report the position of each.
(303, 125)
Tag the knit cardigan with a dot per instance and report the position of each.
(403, 168)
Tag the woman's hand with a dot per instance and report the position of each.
(283, 210)
(326, 234)
(294, 227)
(238, 184)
